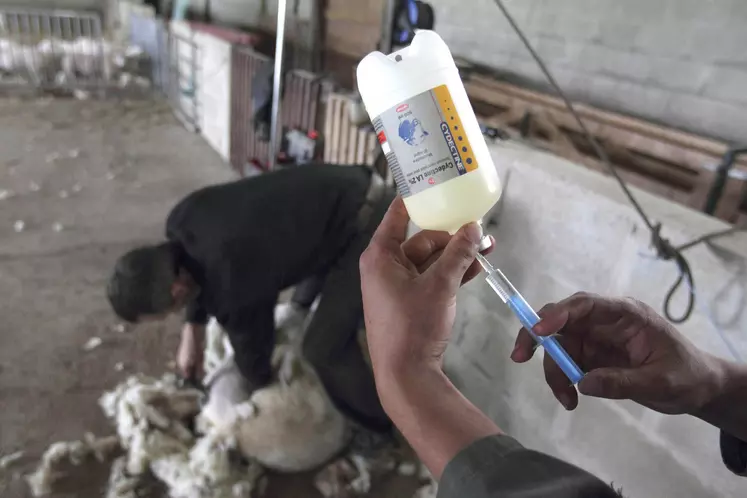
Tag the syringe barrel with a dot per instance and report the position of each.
(529, 319)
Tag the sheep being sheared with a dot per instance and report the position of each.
(289, 426)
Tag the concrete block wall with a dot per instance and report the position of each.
(678, 62)
(563, 229)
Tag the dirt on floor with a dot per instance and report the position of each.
(80, 183)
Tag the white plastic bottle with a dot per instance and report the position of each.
(429, 133)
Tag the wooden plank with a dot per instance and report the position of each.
(335, 137)
(344, 132)
(360, 156)
(564, 145)
(328, 120)
(684, 143)
(351, 38)
(352, 144)
(638, 126)
(371, 149)
(644, 145)
(731, 199)
(670, 163)
(362, 10)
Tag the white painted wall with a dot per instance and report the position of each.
(214, 91)
(563, 229)
(212, 81)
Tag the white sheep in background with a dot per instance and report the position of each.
(62, 61)
(89, 58)
(21, 60)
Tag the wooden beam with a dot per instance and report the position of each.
(679, 138)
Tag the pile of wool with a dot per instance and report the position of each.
(65, 453)
(212, 468)
(152, 418)
(429, 488)
(290, 425)
(7, 462)
(352, 475)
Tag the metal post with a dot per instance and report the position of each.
(277, 84)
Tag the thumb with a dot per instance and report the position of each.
(615, 383)
(458, 255)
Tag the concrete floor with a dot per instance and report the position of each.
(108, 172)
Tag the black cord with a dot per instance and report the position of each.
(664, 249)
(706, 239)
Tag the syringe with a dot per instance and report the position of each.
(528, 318)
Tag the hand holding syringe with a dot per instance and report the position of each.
(528, 318)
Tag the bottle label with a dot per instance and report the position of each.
(424, 141)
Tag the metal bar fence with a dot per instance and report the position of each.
(301, 101)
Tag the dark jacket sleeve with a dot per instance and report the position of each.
(734, 454)
(252, 334)
(196, 312)
(498, 466)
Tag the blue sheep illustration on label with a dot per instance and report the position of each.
(412, 132)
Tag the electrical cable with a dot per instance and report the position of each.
(664, 248)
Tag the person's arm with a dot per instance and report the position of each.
(251, 331)
(466, 450)
(196, 313)
(409, 297)
(630, 352)
(727, 408)
(189, 357)
(435, 418)
(728, 411)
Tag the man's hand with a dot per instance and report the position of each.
(189, 357)
(628, 352)
(409, 298)
(409, 289)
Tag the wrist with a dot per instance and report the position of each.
(397, 384)
(729, 382)
(434, 417)
(193, 332)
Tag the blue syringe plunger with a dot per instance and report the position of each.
(529, 318)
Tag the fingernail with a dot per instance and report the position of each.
(473, 232)
(514, 352)
(565, 400)
(539, 328)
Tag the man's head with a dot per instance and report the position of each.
(147, 283)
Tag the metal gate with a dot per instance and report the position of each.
(174, 63)
(49, 49)
(301, 97)
(181, 87)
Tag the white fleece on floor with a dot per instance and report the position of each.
(290, 425)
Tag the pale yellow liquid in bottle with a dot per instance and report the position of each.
(386, 81)
(454, 203)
